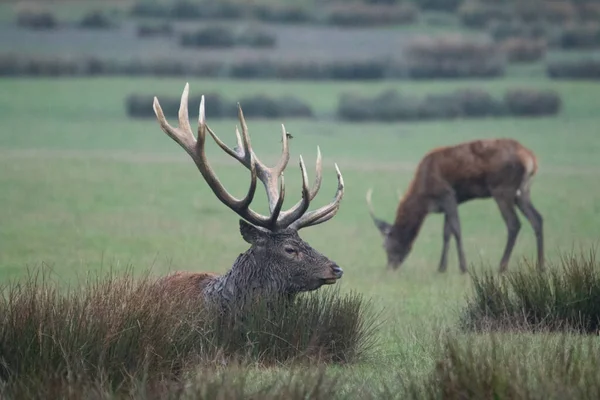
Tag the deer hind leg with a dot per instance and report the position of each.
(447, 234)
(506, 204)
(450, 208)
(535, 219)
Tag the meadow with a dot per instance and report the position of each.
(84, 188)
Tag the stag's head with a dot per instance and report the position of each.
(280, 259)
(396, 244)
(286, 258)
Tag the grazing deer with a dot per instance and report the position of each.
(278, 262)
(449, 176)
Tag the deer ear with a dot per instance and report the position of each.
(250, 233)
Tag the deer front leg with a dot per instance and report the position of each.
(536, 221)
(447, 233)
(513, 225)
(450, 208)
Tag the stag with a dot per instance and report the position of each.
(449, 176)
(278, 262)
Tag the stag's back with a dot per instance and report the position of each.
(473, 168)
(186, 283)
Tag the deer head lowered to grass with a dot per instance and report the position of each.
(278, 262)
(449, 176)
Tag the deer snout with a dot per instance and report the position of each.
(337, 271)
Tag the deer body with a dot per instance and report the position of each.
(278, 263)
(449, 176)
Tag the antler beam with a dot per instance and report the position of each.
(295, 217)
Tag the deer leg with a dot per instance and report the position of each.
(513, 225)
(447, 233)
(536, 221)
(450, 207)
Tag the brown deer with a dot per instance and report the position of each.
(449, 176)
(278, 262)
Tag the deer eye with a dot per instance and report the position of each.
(290, 250)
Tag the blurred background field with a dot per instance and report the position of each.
(89, 182)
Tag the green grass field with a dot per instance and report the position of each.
(82, 187)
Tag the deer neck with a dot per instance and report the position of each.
(410, 216)
(247, 279)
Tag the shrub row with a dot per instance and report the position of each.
(39, 20)
(357, 14)
(45, 20)
(524, 50)
(252, 68)
(502, 30)
(453, 57)
(468, 103)
(113, 329)
(220, 36)
(145, 30)
(581, 69)
(340, 13)
(479, 14)
(582, 36)
(258, 106)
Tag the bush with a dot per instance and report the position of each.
(212, 36)
(563, 298)
(559, 12)
(392, 106)
(589, 11)
(112, 329)
(150, 9)
(258, 106)
(183, 9)
(282, 13)
(500, 30)
(356, 14)
(581, 69)
(524, 50)
(220, 36)
(529, 102)
(156, 29)
(580, 36)
(453, 57)
(140, 105)
(262, 106)
(479, 15)
(39, 20)
(254, 37)
(356, 70)
(439, 5)
(96, 20)
(465, 103)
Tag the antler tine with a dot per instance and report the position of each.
(318, 177)
(294, 213)
(324, 213)
(285, 153)
(195, 148)
(182, 135)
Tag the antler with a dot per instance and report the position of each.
(296, 216)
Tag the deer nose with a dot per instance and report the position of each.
(337, 271)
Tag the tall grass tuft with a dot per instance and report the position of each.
(566, 297)
(511, 367)
(111, 332)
